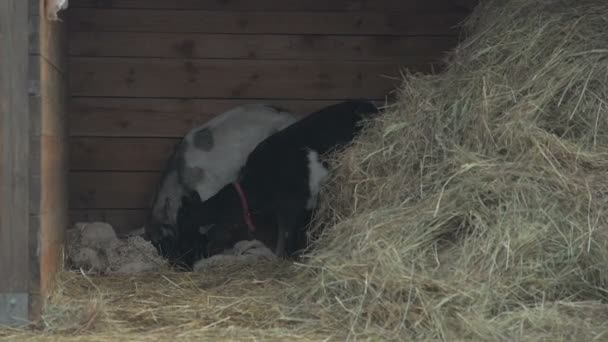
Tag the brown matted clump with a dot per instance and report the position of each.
(477, 206)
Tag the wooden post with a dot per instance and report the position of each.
(15, 163)
(49, 140)
(33, 157)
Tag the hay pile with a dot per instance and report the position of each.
(476, 208)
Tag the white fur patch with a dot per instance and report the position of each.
(169, 199)
(236, 132)
(318, 174)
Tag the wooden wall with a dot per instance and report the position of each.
(33, 155)
(143, 72)
(15, 268)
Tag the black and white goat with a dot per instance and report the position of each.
(273, 199)
(208, 158)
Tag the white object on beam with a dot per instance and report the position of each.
(53, 7)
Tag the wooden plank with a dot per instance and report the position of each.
(123, 77)
(355, 23)
(272, 5)
(14, 153)
(53, 40)
(47, 38)
(53, 87)
(35, 107)
(34, 28)
(36, 299)
(112, 190)
(169, 118)
(34, 7)
(35, 110)
(54, 210)
(53, 192)
(120, 154)
(123, 220)
(35, 173)
(300, 47)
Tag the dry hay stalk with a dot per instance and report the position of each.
(236, 302)
(474, 209)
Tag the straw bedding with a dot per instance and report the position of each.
(232, 302)
(474, 209)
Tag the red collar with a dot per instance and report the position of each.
(245, 206)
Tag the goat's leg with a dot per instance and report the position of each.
(281, 231)
(286, 233)
(291, 238)
(301, 238)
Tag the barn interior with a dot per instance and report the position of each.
(143, 73)
(471, 211)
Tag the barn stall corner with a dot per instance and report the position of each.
(471, 209)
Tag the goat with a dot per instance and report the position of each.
(208, 158)
(277, 189)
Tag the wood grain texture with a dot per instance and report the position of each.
(14, 153)
(127, 77)
(145, 72)
(243, 46)
(112, 190)
(136, 154)
(273, 5)
(35, 107)
(122, 220)
(35, 65)
(162, 118)
(54, 165)
(53, 41)
(51, 193)
(261, 22)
